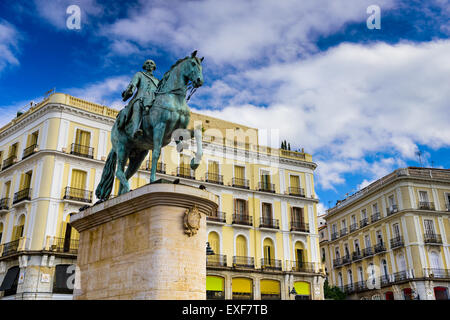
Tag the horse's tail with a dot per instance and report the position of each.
(105, 186)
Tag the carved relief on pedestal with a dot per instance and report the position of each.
(192, 221)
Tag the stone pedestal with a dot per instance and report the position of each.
(135, 246)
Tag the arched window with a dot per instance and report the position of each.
(270, 290)
(435, 261)
(340, 281)
(242, 288)
(300, 254)
(350, 277)
(215, 288)
(241, 246)
(214, 242)
(360, 274)
(269, 252)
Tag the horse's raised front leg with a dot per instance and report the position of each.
(120, 174)
(158, 135)
(195, 162)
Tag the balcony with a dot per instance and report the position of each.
(346, 259)
(392, 209)
(243, 262)
(9, 162)
(334, 236)
(343, 232)
(22, 195)
(266, 187)
(10, 247)
(353, 227)
(299, 226)
(294, 191)
(300, 266)
(214, 178)
(375, 217)
(217, 216)
(363, 222)
(79, 195)
(337, 262)
(385, 280)
(241, 183)
(64, 245)
(216, 260)
(265, 222)
(399, 276)
(185, 172)
(356, 255)
(82, 151)
(397, 242)
(432, 238)
(379, 248)
(436, 273)
(367, 252)
(160, 167)
(426, 205)
(242, 219)
(360, 286)
(4, 204)
(349, 288)
(29, 151)
(271, 264)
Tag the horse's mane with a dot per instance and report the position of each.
(166, 75)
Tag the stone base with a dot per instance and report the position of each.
(135, 247)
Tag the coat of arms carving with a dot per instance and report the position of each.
(192, 221)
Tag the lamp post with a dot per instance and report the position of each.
(292, 292)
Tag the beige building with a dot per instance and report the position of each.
(264, 235)
(390, 240)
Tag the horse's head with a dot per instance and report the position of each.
(193, 71)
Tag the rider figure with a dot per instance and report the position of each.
(146, 85)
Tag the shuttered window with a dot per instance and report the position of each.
(13, 150)
(239, 172)
(213, 167)
(83, 138)
(241, 246)
(7, 189)
(25, 180)
(294, 181)
(241, 207)
(297, 214)
(32, 139)
(267, 211)
(78, 179)
(268, 249)
(214, 242)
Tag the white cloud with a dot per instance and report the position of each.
(347, 103)
(237, 32)
(9, 38)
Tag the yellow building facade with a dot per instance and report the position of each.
(264, 235)
(390, 240)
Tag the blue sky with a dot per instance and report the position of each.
(362, 101)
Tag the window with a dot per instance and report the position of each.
(239, 172)
(367, 241)
(297, 214)
(391, 201)
(350, 277)
(353, 219)
(396, 230)
(7, 189)
(347, 253)
(10, 281)
(323, 255)
(25, 180)
(363, 214)
(375, 208)
(338, 255)
(334, 228)
(340, 283)
(13, 150)
(214, 242)
(423, 196)
(267, 212)
(358, 251)
(270, 290)
(18, 229)
(241, 246)
(344, 224)
(379, 237)
(240, 207)
(429, 226)
(360, 274)
(215, 288)
(83, 138)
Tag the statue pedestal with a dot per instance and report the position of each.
(135, 247)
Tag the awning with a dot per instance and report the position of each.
(214, 283)
(270, 287)
(242, 285)
(302, 288)
(11, 276)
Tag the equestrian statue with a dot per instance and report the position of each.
(157, 113)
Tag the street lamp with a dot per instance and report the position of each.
(293, 292)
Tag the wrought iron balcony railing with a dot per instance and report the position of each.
(436, 273)
(353, 227)
(432, 238)
(397, 242)
(214, 178)
(363, 222)
(375, 217)
(22, 195)
(243, 262)
(10, 247)
(299, 226)
(349, 288)
(360, 286)
(216, 260)
(65, 245)
(265, 222)
(294, 191)
(426, 205)
(29, 151)
(346, 259)
(266, 187)
(385, 280)
(367, 252)
(4, 204)
(160, 166)
(337, 262)
(356, 255)
(399, 276)
(334, 236)
(77, 195)
(185, 172)
(242, 219)
(82, 151)
(343, 232)
(379, 248)
(217, 216)
(9, 162)
(241, 183)
(300, 266)
(392, 209)
(272, 264)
